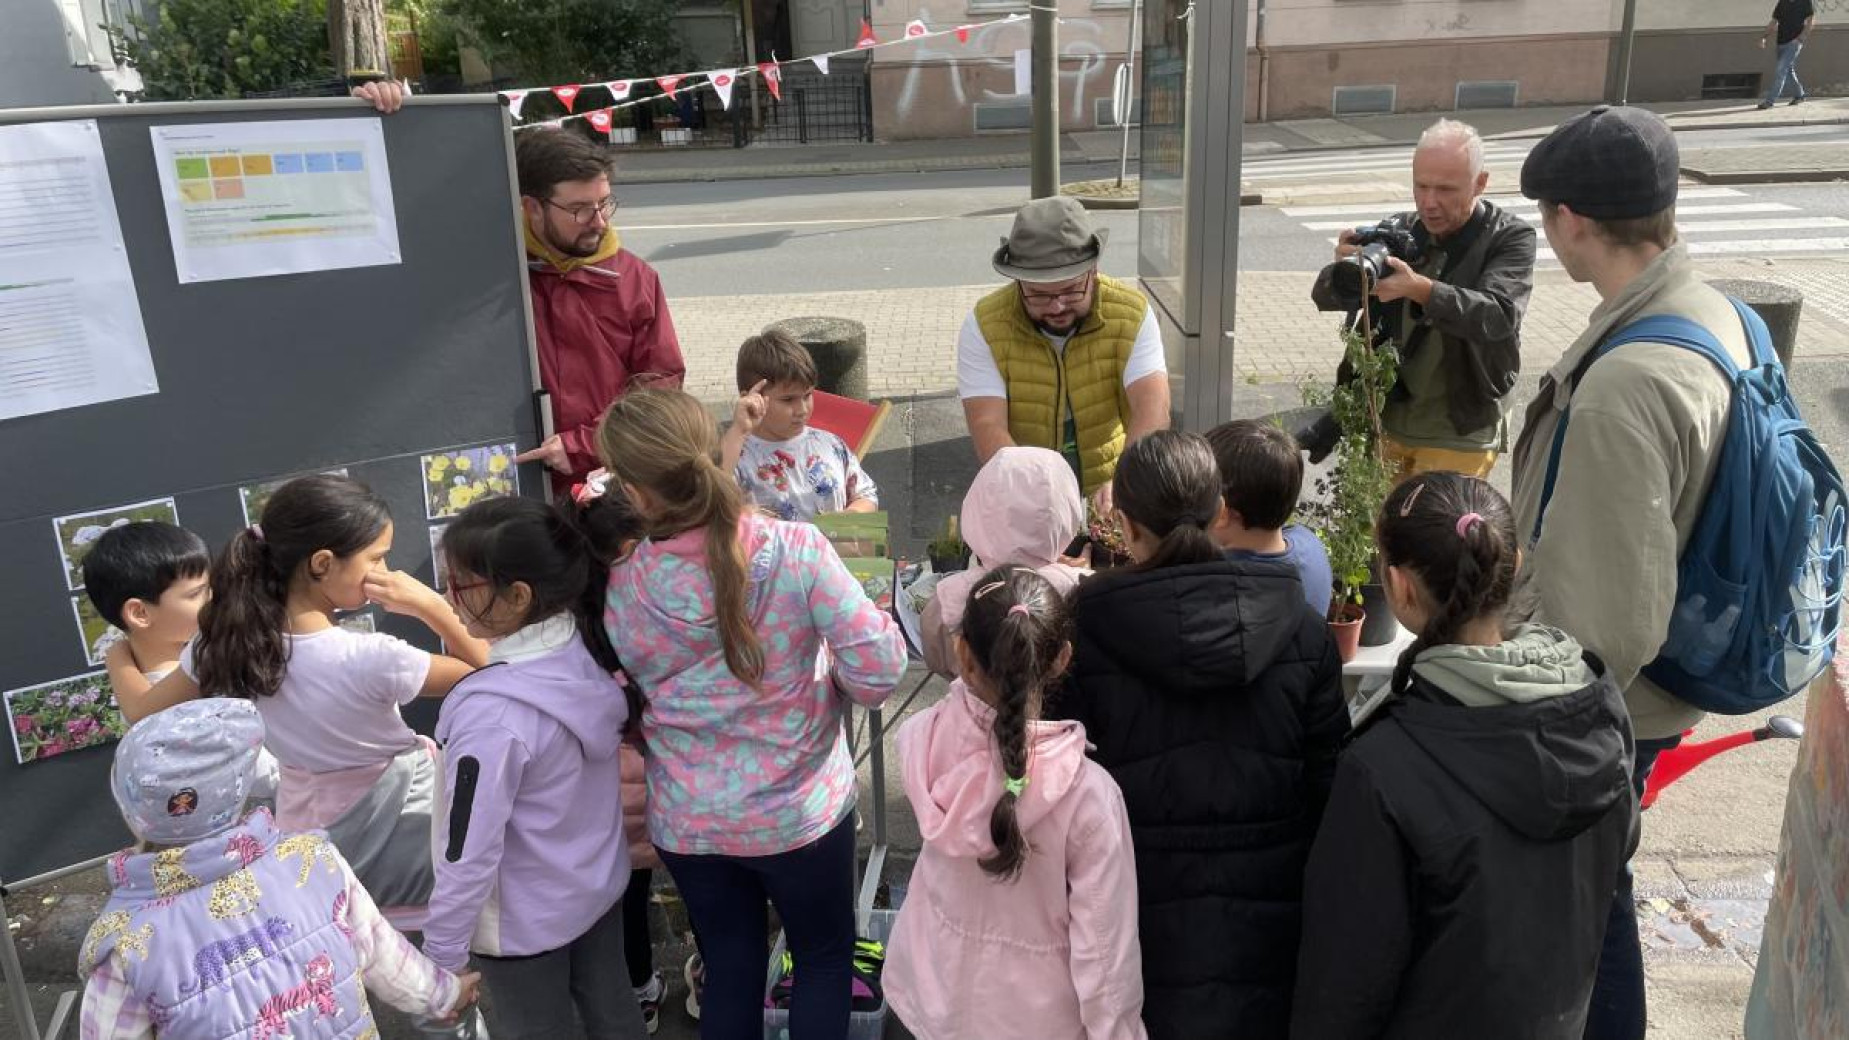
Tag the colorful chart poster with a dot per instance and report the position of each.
(70, 322)
(79, 531)
(246, 200)
(855, 534)
(65, 715)
(455, 478)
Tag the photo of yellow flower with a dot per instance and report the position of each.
(454, 479)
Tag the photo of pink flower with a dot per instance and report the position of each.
(65, 715)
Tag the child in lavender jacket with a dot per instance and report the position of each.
(531, 862)
(746, 635)
(1021, 923)
(221, 925)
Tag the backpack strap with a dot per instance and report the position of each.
(1661, 328)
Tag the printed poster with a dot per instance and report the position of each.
(70, 322)
(79, 531)
(64, 715)
(97, 634)
(248, 200)
(253, 497)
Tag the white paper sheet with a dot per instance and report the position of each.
(246, 200)
(1024, 72)
(70, 323)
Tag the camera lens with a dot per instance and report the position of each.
(1347, 276)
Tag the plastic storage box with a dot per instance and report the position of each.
(862, 1025)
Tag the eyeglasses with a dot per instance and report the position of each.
(585, 213)
(1068, 297)
(455, 589)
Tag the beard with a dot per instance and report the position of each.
(575, 242)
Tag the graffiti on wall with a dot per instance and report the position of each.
(1079, 38)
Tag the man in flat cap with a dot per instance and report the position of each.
(1634, 466)
(1064, 358)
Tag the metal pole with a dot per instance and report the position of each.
(1130, 95)
(1045, 102)
(1626, 36)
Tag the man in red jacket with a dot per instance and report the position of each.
(598, 311)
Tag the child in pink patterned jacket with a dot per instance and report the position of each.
(746, 634)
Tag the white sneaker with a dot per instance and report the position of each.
(695, 973)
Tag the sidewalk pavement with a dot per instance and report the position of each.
(1006, 151)
(1281, 335)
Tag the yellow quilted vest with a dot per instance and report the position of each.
(1090, 374)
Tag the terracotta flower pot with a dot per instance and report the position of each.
(1345, 629)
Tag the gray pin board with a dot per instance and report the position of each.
(365, 369)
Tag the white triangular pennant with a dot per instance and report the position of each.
(723, 80)
(821, 63)
(618, 88)
(916, 28)
(515, 98)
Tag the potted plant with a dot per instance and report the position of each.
(1358, 481)
(1110, 547)
(947, 551)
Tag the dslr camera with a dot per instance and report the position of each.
(1390, 237)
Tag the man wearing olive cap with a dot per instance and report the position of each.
(1647, 425)
(1064, 358)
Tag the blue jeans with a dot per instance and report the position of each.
(813, 890)
(1617, 1011)
(1787, 70)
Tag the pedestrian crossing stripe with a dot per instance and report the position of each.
(1732, 209)
(1376, 210)
(1266, 167)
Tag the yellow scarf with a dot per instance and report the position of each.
(567, 264)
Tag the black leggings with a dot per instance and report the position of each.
(638, 944)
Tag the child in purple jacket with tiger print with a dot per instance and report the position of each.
(222, 925)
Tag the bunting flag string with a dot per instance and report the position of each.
(725, 81)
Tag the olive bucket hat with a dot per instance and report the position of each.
(1052, 240)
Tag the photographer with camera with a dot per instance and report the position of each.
(1449, 283)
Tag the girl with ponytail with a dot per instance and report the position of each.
(531, 862)
(329, 697)
(1021, 918)
(1213, 694)
(747, 636)
(1487, 801)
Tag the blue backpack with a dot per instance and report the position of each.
(1760, 581)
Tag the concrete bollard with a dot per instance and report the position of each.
(1777, 304)
(839, 347)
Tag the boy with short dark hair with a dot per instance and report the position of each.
(148, 579)
(786, 466)
(1261, 477)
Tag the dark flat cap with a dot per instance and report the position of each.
(1608, 164)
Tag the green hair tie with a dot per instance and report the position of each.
(1014, 785)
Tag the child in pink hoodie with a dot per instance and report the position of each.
(1021, 921)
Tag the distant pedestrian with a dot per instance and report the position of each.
(1791, 20)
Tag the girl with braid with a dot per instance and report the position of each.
(1480, 818)
(1021, 919)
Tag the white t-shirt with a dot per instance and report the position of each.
(979, 376)
(338, 704)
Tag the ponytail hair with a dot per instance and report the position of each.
(1169, 484)
(242, 649)
(1015, 626)
(665, 442)
(508, 540)
(1457, 535)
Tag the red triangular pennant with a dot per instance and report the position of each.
(669, 84)
(773, 78)
(916, 28)
(567, 94)
(619, 89)
(867, 39)
(722, 81)
(600, 120)
(963, 33)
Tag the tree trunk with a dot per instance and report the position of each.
(356, 36)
